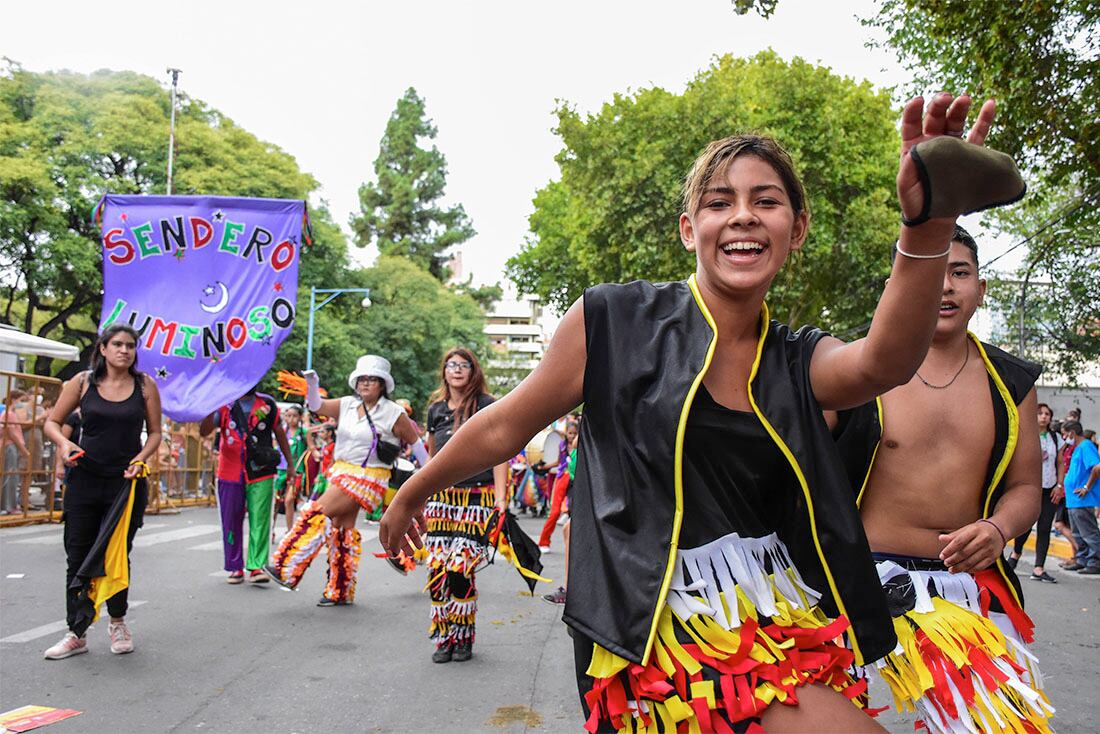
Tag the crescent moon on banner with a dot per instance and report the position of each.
(221, 301)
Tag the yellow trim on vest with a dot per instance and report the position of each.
(678, 467)
(765, 320)
(678, 472)
(1010, 447)
(881, 430)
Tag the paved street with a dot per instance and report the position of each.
(254, 658)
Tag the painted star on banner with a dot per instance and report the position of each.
(219, 215)
(124, 216)
(179, 254)
(162, 373)
(278, 287)
(215, 359)
(266, 341)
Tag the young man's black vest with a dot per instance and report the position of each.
(649, 346)
(1010, 380)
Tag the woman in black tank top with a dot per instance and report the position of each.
(106, 482)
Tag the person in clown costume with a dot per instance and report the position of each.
(247, 468)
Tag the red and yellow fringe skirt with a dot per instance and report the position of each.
(366, 485)
(740, 631)
(962, 662)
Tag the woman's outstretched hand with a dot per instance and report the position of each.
(946, 115)
(402, 528)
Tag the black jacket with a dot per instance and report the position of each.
(1010, 380)
(648, 347)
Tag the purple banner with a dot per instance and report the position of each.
(211, 285)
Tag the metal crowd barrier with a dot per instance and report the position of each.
(32, 475)
(182, 475)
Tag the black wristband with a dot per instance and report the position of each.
(1004, 540)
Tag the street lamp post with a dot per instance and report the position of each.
(172, 127)
(314, 307)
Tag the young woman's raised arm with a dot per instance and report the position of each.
(847, 375)
(497, 432)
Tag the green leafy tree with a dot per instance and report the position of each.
(1038, 58)
(763, 8)
(401, 211)
(1040, 61)
(66, 139)
(485, 295)
(412, 321)
(1046, 310)
(612, 215)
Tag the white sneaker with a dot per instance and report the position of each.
(544, 549)
(121, 640)
(69, 645)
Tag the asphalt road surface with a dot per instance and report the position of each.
(211, 657)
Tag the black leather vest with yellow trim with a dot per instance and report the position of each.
(1010, 380)
(649, 346)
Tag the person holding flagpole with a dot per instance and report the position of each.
(107, 491)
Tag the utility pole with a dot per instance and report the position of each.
(172, 126)
(1023, 312)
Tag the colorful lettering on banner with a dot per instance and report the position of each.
(211, 285)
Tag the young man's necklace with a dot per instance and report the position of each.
(952, 382)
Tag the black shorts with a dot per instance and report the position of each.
(1061, 514)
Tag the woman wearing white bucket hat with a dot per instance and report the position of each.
(369, 428)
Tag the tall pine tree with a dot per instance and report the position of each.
(400, 210)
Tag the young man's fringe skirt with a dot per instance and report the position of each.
(962, 661)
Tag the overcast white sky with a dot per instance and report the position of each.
(320, 79)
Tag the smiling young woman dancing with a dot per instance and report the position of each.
(723, 554)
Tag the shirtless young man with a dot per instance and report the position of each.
(954, 475)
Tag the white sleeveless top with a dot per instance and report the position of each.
(353, 434)
(1050, 459)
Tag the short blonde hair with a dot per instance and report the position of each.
(714, 159)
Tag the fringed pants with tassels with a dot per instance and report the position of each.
(367, 486)
(457, 518)
(961, 662)
(345, 545)
(740, 631)
(301, 545)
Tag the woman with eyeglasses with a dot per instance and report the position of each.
(369, 428)
(457, 516)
